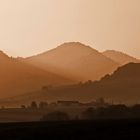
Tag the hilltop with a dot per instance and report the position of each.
(74, 60)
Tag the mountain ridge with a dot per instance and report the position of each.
(69, 63)
(120, 57)
(17, 77)
(121, 86)
(73, 57)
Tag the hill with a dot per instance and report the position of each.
(17, 77)
(120, 57)
(122, 86)
(74, 60)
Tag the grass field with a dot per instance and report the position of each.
(72, 130)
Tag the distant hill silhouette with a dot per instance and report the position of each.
(17, 77)
(75, 60)
(122, 86)
(120, 57)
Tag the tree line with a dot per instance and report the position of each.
(110, 112)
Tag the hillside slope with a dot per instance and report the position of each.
(122, 86)
(17, 77)
(75, 60)
(120, 57)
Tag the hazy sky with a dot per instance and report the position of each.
(28, 27)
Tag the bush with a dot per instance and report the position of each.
(55, 116)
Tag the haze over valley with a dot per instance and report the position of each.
(17, 77)
(62, 68)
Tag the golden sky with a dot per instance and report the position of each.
(29, 27)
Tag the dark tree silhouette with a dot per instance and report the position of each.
(34, 105)
(56, 116)
(43, 105)
(23, 106)
(88, 114)
(112, 112)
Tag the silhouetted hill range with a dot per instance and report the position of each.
(69, 63)
(75, 60)
(120, 57)
(122, 86)
(17, 77)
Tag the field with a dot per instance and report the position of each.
(72, 130)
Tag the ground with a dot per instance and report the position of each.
(72, 130)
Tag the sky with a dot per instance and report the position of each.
(29, 27)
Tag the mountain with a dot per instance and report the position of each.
(74, 60)
(120, 57)
(17, 77)
(122, 86)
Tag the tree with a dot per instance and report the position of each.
(89, 114)
(47, 88)
(34, 105)
(23, 106)
(55, 116)
(43, 105)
